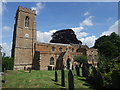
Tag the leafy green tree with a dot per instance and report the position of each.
(108, 49)
(7, 62)
(80, 59)
(109, 46)
(105, 64)
(100, 40)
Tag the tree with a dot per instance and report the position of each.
(80, 59)
(7, 62)
(100, 40)
(108, 46)
(108, 49)
(66, 36)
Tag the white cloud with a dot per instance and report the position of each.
(77, 28)
(113, 28)
(45, 36)
(6, 28)
(86, 13)
(39, 6)
(78, 32)
(6, 49)
(89, 41)
(3, 6)
(4, 1)
(87, 22)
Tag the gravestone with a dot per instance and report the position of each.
(115, 78)
(24, 67)
(98, 78)
(85, 70)
(70, 80)
(77, 70)
(56, 77)
(29, 69)
(63, 78)
(4, 76)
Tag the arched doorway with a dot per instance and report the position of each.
(68, 63)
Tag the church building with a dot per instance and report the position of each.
(28, 53)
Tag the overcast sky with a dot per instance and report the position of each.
(89, 20)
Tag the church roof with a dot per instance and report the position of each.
(56, 44)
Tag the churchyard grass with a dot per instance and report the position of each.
(40, 79)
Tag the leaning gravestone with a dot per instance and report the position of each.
(63, 78)
(70, 80)
(56, 78)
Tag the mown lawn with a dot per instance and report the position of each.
(40, 79)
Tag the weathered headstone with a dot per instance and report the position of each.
(4, 76)
(56, 77)
(29, 70)
(115, 78)
(70, 80)
(85, 70)
(24, 68)
(98, 78)
(77, 70)
(63, 78)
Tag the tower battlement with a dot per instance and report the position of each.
(27, 10)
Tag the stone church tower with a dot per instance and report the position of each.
(24, 38)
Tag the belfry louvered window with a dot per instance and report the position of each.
(26, 21)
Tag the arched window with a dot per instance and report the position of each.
(66, 49)
(60, 49)
(53, 48)
(51, 61)
(90, 57)
(72, 49)
(26, 21)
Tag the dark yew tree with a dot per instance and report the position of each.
(65, 36)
